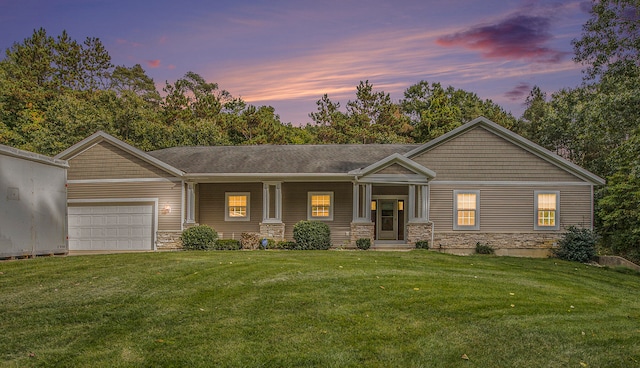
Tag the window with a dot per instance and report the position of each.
(320, 206)
(236, 207)
(466, 204)
(547, 209)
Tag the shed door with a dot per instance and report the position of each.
(111, 227)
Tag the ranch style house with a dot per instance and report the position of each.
(478, 183)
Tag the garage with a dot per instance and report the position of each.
(122, 227)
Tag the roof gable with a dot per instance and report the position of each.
(395, 166)
(100, 138)
(518, 143)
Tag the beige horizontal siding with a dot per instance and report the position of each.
(211, 208)
(106, 161)
(480, 155)
(395, 169)
(165, 192)
(510, 209)
(294, 198)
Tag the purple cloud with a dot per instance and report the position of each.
(518, 92)
(516, 37)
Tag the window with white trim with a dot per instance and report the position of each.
(466, 210)
(320, 206)
(547, 210)
(237, 206)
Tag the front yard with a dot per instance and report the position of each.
(316, 308)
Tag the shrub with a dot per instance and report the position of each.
(484, 248)
(422, 244)
(227, 244)
(285, 245)
(578, 245)
(312, 235)
(199, 237)
(363, 243)
(271, 244)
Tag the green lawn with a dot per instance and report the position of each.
(316, 308)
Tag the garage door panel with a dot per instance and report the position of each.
(111, 227)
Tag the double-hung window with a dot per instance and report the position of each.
(237, 206)
(547, 210)
(466, 210)
(320, 206)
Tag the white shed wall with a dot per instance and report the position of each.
(33, 204)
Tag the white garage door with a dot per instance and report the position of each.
(121, 227)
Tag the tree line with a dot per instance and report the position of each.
(55, 91)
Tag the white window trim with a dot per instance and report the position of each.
(331, 206)
(535, 210)
(455, 210)
(226, 206)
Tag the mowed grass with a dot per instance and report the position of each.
(316, 309)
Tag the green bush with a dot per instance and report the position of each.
(227, 244)
(422, 244)
(363, 243)
(271, 244)
(201, 237)
(285, 245)
(312, 235)
(578, 245)
(484, 248)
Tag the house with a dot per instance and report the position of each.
(33, 204)
(477, 183)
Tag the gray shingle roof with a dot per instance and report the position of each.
(317, 159)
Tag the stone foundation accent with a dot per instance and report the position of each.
(361, 230)
(505, 244)
(419, 231)
(273, 231)
(168, 240)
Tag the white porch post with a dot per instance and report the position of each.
(361, 202)
(418, 206)
(266, 202)
(191, 204)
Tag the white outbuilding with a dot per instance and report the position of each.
(33, 204)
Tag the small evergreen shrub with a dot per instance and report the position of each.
(312, 235)
(484, 249)
(289, 245)
(422, 244)
(363, 243)
(227, 244)
(270, 244)
(201, 237)
(578, 245)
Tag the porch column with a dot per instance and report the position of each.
(191, 204)
(270, 190)
(418, 206)
(361, 202)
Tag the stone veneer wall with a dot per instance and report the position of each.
(168, 240)
(273, 231)
(514, 244)
(419, 231)
(361, 230)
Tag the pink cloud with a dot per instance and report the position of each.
(518, 92)
(153, 63)
(171, 67)
(515, 38)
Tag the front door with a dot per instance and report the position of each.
(387, 219)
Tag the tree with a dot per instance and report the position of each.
(434, 110)
(610, 38)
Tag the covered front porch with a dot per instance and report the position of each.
(392, 216)
(391, 202)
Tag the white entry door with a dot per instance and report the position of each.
(111, 227)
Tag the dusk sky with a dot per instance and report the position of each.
(288, 53)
